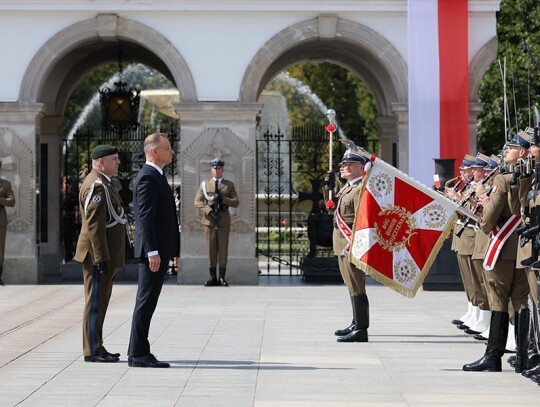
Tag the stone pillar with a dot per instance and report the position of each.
(401, 111)
(474, 110)
(19, 141)
(387, 126)
(51, 249)
(225, 130)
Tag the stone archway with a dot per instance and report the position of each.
(351, 45)
(52, 75)
(72, 53)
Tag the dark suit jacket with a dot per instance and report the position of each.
(156, 223)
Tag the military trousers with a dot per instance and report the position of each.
(479, 295)
(3, 232)
(507, 284)
(465, 269)
(217, 243)
(97, 294)
(354, 278)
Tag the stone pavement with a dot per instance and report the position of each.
(270, 345)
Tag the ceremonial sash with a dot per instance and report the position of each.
(345, 230)
(497, 241)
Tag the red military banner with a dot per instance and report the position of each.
(399, 228)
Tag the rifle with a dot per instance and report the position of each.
(216, 206)
(532, 230)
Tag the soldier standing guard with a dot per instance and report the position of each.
(100, 248)
(346, 202)
(7, 198)
(214, 198)
(506, 282)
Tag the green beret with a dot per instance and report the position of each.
(103, 150)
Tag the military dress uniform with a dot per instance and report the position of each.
(506, 283)
(463, 247)
(7, 198)
(100, 249)
(524, 205)
(346, 203)
(216, 220)
(479, 321)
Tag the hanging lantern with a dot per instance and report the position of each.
(120, 106)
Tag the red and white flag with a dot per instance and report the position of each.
(399, 228)
(438, 83)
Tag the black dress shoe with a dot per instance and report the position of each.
(114, 355)
(512, 361)
(358, 335)
(531, 372)
(457, 322)
(484, 364)
(146, 361)
(105, 358)
(471, 332)
(479, 337)
(212, 282)
(345, 331)
(462, 327)
(1, 282)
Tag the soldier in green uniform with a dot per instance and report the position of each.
(346, 202)
(214, 198)
(460, 244)
(527, 200)
(505, 281)
(100, 248)
(7, 198)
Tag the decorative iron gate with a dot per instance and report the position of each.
(290, 177)
(77, 164)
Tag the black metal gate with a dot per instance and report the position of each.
(290, 177)
(77, 164)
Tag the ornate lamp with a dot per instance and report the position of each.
(120, 106)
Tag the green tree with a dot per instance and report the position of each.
(518, 22)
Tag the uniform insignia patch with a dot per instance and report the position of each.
(96, 199)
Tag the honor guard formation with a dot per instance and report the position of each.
(498, 254)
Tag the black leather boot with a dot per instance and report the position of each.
(498, 333)
(213, 279)
(222, 280)
(522, 320)
(361, 320)
(1, 269)
(350, 328)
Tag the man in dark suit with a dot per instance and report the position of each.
(100, 248)
(157, 241)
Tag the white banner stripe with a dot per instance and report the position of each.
(424, 101)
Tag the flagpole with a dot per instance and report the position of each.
(331, 128)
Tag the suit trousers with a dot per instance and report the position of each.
(149, 289)
(354, 278)
(97, 294)
(217, 241)
(507, 284)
